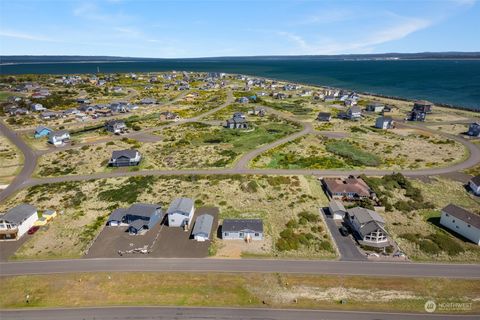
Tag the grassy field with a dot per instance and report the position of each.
(237, 290)
(366, 147)
(12, 160)
(186, 146)
(86, 203)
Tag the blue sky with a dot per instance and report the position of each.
(150, 28)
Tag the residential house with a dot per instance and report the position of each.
(474, 129)
(324, 116)
(117, 89)
(461, 221)
(350, 189)
(42, 131)
(238, 121)
(58, 138)
(417, 116)
(337, 210)
(117, 217)
(384, 123)
(116, 126)
(257, 111)
(422, 106)
(180, 212)
(125, 158)
(167, 115)
(49, 115)
(354, 113)
(142, 217)
(242, 229)
(474, 185)
(375, 107)
(203, 227)
(37, 107)
(243, 100)
(329, 98)
(17, 221)
(16, 111)
(368, 226)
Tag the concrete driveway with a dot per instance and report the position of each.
(346, 245)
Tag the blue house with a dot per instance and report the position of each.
(42, 131)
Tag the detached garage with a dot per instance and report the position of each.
(337, 210)
(202, 228)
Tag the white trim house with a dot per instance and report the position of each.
(17, 221)
(462, 222)
(368, 226)
(58, 138)
(242, 229)
(180, 212)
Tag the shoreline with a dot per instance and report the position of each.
(373, 94)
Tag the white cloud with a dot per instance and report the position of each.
(23, 36)
(91, 11)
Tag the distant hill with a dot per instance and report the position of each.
(382, 56)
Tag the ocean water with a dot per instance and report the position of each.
(453, 82)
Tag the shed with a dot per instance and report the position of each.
(337, 210)
(203, 227)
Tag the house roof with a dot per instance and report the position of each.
(203, 224)
(143, 209)
(349, 185)
(58, 133)
(335, 206)
(117, 214)
(137, 224)
(324, 115)
(462, 214)
(115, 122)
(233, 225)
(41, 128)
(355, 109)
(364, 216)
(181, 205)
(385, 118)
(19, 213)
(476, 180)
(423, 103)
(129, 153)
(370, 227)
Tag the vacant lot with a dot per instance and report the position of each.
(366, 148)
(86, 205)
(12, 160)
(236, 290)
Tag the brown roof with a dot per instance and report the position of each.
(423, 102)
(349, 185)
(462, 214)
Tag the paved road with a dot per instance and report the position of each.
(29, 161)
(141, 264)
(346, 245)
(184, 313)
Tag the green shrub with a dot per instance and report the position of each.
(352, 153)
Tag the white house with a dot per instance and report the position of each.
(37, 107)
(384, 123)
(203, 227)
(337, 210)
(17, 221)
(462, 222)
(369, 227)
(180, 212)
(58, 138)
(474, 185)
(242, 229)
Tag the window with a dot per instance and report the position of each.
(446, 214)
(226, 234)
(240, 234)
(468, 225)
(257, 234)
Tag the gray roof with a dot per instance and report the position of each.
(181, 205)
(117, 214)
(385, 118)
(462, 214)
(19, 213)
(129, 153)
(355, 109)
(364, 216)
(137, 224)
(203, 225)
(476, 180)
(58, 133)
(234, 225)
(41, 128)
(370, 227)
(143, 209)
(335, 206)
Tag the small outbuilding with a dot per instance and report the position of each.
(242, 229)
(324, 116)
(337, 210)
(202, 228)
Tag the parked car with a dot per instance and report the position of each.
(343, 231)
(373, 254)
(399, 254)
(32, 230)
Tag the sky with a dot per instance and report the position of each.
(183, 29)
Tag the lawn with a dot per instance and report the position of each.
(12, 160)
(395, 294)
(85, 203)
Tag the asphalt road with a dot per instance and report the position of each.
(183, 313)
(29, 161)
(140, 264)
(346, 245)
